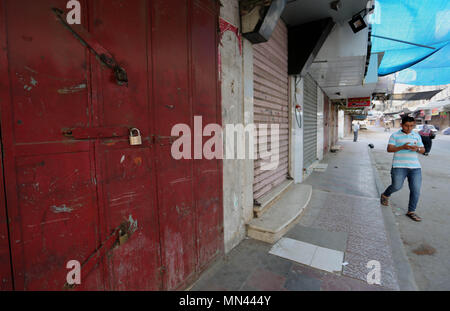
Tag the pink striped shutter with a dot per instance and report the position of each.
(271, 105)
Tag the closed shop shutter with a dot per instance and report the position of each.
(310, 122)
(271, 100)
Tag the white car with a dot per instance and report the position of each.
(419, 127)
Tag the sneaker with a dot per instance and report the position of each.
(384, 200)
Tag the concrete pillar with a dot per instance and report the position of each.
(237, 108)
(341, 124)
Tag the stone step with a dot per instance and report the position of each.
(281, 216)
(336, 148)
(267, 200)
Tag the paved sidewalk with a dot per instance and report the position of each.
(344, 215)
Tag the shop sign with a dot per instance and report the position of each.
(359, 102)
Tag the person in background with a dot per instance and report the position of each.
(387, 126)
(425, 134)
(355, 131)
(405, 144)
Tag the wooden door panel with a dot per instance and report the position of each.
(173, 105)
(48, 73)
(5, 255)
(126, 173)
(50, 180)
(58, 217)
(177, 218)
(120, 105)
(207, 173)
(129, 197)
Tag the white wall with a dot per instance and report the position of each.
(342, 42)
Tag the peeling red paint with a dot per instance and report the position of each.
(226, 26)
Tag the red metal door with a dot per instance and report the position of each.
(50, 180)
(72, 194)
(66, 195)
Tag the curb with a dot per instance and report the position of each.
(403, 268)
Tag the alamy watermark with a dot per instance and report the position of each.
(74, 15)
(73, 277)
(239, 141)
(374, 276)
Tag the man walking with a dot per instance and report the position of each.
(405, 144)
(425, 133)
(387, 126)
(355, 131)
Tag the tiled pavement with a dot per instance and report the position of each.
(250, 267)
(344, 207)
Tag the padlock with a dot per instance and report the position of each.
(135, 137)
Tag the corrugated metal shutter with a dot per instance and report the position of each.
(271, 104)
(310, 122)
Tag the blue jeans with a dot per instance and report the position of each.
(355, 136)
(414, 181)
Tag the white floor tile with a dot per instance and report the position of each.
(297, 251)
(327, 259)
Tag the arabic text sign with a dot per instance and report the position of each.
(359, 102)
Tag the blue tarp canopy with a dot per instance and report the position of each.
(424, 22)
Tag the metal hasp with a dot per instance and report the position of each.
(259, 18)
(100, 52)
(118, 237)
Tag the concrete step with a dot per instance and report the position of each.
(336, 148)
(320, 167)
(281, 216)
(267, 200)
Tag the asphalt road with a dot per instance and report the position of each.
(427, 243)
